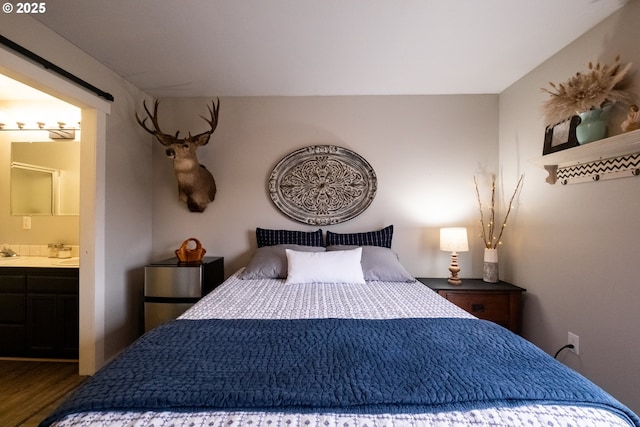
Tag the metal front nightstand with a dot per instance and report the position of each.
(171, 287)
(498, 302)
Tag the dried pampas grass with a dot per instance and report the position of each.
(601, 85)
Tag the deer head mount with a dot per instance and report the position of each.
(196, 186)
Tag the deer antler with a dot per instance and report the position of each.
(163, 138)
(203, 138)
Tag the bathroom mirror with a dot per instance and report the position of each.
(45, 178)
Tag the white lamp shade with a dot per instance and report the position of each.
(454, 239)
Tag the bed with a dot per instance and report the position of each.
(314, 336)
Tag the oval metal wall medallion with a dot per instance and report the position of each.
(322, 184)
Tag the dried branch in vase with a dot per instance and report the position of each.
(600, 86)
(491, 241)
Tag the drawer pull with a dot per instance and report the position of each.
(477, 308)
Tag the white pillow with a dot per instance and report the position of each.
(324, 267)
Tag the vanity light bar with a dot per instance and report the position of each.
(61, 133)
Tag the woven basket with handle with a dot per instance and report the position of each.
(185, 254)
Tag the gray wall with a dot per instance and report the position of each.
(425, 151)
(574, 247)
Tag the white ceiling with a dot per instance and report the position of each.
(186, 48)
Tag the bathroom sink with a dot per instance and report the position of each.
(75, 261)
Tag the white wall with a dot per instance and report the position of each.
(574, 247)
(425, 151)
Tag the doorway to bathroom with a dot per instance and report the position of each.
(92, 205)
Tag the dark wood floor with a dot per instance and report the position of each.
(30, 391)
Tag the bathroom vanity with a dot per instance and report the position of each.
(39, 309)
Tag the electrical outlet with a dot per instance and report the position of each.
(575, 340)
(26, 223)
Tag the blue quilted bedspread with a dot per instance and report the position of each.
(332, 365)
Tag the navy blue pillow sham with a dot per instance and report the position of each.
(371, 238)
(266, 237)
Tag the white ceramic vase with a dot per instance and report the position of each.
(490, 266)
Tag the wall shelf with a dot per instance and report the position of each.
(614, 157)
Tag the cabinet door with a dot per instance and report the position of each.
(12, 324)
(12, 308)
(12, 340)
(52, 329)
(12, 303)
(52, 314)
(12, 315)
(42, 327)
(68, 321)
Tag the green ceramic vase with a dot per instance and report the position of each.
(593, 125)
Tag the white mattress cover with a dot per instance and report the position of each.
(271, 298)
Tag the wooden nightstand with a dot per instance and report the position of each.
(498, 302)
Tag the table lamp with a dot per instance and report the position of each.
(454, 240)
